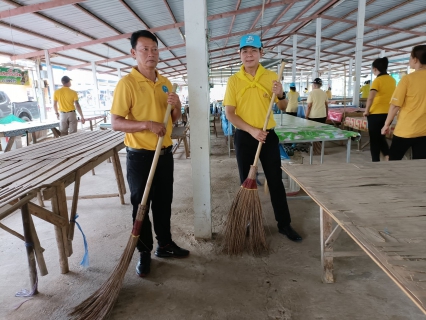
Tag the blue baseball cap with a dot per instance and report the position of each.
(292, 85)
(250, 40)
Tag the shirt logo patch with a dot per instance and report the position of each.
(165, 89)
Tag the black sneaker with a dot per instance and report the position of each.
(290, 233)
(171, 250)
(144, 265)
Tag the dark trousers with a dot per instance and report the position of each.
(400, 146)
(321, 120)
(378, 141)
(160, 196)
(245, 148)
(294, 114)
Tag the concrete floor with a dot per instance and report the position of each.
(208, 285)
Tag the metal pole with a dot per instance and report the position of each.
(39, 91)
(350, 81)
(359, 47)
(119, 73)
(318, 48)
(49, 76)
(294, 58)
(95, 86)
(382, 53)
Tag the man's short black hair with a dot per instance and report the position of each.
(142, 33)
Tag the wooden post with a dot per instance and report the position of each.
(326, 261)
(9, 144)
(29, 246)
(118, 175)
(63, 259)
(40, 199)
(34, 136)
(38, 249)
(74, 205)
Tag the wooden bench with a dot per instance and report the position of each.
(381, 207)
(46, 169)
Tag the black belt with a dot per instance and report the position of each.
(67, 111)
(163, 151)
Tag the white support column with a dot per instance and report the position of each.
(39, 91)
(293, 75)
(119, 73)
(198, 92)
(329, 76)
(350, 79)
(408, 69)
(382, 53)
(49, 75)
(95, 86)
(318, 48)
(359, 48)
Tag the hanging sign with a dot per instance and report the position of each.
(14, 76)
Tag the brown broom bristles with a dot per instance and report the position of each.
(244, 216)
(99, 305)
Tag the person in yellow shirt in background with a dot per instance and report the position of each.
(317, 103)
(138, 109)
(247, 98)
(68, 103)
(328, 92)
(365, 90)
(377, 108)
(293, 99)
(409, 101)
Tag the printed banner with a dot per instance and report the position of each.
(14, 76)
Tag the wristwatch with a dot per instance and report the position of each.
(283, 97)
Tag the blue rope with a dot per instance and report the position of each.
(85, 261)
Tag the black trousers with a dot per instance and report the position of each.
(378, 141)
(294, 114)
(245, 148)
(400, 146)
(321, 120)
(160, 197)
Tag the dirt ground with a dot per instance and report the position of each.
(286, 284)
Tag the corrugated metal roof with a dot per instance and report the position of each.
(97, 19)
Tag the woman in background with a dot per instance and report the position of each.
(377, 108)
(293, 99)
(409, 99)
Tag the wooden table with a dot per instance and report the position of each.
(92, 119)
(46, 169)
(17, 129)
(382, 208)
(288, 122)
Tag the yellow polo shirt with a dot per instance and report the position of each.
(329, 95)
(318, 98)
(65, 97)
(292, 105)
(251, 97)
(365, 91)
(138, 98)
(385, 86)
(410, 96)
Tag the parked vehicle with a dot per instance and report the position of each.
(28, 110)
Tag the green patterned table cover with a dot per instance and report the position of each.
(313, 133)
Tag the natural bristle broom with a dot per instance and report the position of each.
(245, 214)
(99, 305)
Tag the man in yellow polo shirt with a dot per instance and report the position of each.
(247, 98)
(140, 101)
(68, 103)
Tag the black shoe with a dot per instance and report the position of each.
(290, 233)
(171, 250)
(144, 265)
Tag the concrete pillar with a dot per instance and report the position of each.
(39, 91)
(318, 48)
(329, 76)
(198, 91)
(119, 73)
(351, 80)
(359, 48)
(293, 75)
(49, 76)
(95, 86)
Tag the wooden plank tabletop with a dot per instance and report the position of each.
(382, 207)
(27, 169)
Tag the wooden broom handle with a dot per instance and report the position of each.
(156, 154)
(259, 147)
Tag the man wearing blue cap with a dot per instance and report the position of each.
(293, 99)
(247, 98)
